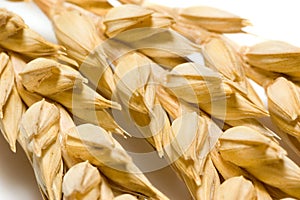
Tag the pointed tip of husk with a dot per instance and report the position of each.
(122, 132)
(13, 147)
(116, 105)
(246, 22)
(160, 153)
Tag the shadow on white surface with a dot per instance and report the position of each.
(17, 179)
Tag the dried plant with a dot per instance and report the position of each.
(283, 101)
(212, 19)
(40, 128)
(102, 150)
(83, 181)
(262, 157)
(179, 81)
(236, 188)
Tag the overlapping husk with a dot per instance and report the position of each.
(40, 128)
(236, 188)
(100, 149)
(82, 101)
(83, 181)
(261, 157)
(284, 100)
(212, 19)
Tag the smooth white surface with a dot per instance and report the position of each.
(270, 19)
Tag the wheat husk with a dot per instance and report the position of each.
(12, 114)
(236, 107)
(236, 188)
(162, 43)
(100, 149)
(159, 44)
(228, 61)
(83, 102)
(85, 98)
(49, 7)
(40, 124)
(168, 62)
(82, 45)
(153, 125)
(210, 182)
(138, 2)
(229, 170)
(254, 124)
(10, 24)
(83, 181)
(138, 95)
(192, 32)
(11, 105)
(261, 157)
(99, 7)
(195, 83)
(284, 100)
(125, 197)
(187, 147)
(121, 18)
(6, 80)
(132, 74)
(68, 94)
(41, 73)
(49, 177)
(66, 126)
(274, 56)
(29, 43)
(100, 118)
(161, 118)
(159, 20)
(172, 104)
(212, 19)
(96, 19)
(84, 51)
(132, 12)
(159, 126)
(40, 127)
(253, 95)
(28, 97)
(219, 54)
(133, 17)
(80, 42)
(260, 76)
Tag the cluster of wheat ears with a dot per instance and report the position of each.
(137, 57)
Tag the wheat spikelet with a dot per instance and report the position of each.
(83, 181)
(262, 157)
(99, 148)
(40, 128)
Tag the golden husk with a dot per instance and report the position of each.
(284, 105)
(274, 56)
(212, 19)
(83, 181)
(40, 128)
(261, 157)
(10, 24)
(102, 150)
(236, 188)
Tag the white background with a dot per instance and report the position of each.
(271, 20)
